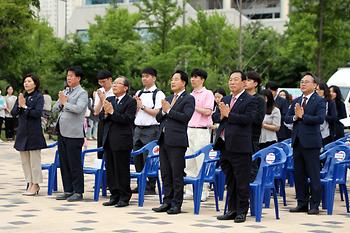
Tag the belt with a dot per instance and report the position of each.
(197, 127)
(146, 126)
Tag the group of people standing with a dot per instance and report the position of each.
(6, 104)
(246, 121)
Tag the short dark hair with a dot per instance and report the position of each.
(103, 74)
(77, 70)
(200, 73)
(243, 76)
(35, 80)
(183, 76)
(149, 70)
(255, 76)
(272, 85)
(220, 91)
(310, 74)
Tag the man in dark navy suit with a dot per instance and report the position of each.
(307, 113)
(234, 139)
(173, 117)
(118, 115)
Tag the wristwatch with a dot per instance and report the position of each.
(143, 107)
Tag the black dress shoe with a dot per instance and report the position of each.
(313, 211)
(163, 208)
(63, 196)
(240, 218)
(75, 197)
(110, 202)
(174, 210)
(230, 215)
(298, 209)
(121, 204)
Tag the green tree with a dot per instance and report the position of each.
(160, 16)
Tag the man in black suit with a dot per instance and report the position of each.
(236, 115)
(173, 117)
(118, 115)
(283, 105)
(307, 113)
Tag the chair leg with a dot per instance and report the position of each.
(49, 181)
(341, 193)
(197, 194)
(283, 192)
(330, 189)
(258, 203)
(346, 197)
(276, 203)
(97, 186)
(267, 197)
(216, 196)
(141, 189)
(159, 191)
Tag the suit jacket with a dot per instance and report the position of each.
(173, 125)
(29, 134)
(283, 106)
(117, 131)
(307, 129)
(72, 114)
(238, 124)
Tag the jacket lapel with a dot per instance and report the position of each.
(179, 99)
(239, 101)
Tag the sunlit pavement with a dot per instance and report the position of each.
(43, 213)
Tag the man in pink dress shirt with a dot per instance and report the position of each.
(198, 127)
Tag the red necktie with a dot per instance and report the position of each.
(304, 102)
(233, 101)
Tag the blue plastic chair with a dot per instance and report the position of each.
(280, 178)
(220, 181)
(336, 174)
(99, 172)
(205, 175)
(150, 169)
(52, 171)
(331, 145)
(272, 163)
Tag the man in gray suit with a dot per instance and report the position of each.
(72, 104)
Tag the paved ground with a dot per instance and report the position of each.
(43, 213)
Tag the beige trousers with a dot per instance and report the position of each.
(31, 164)
(197, 138)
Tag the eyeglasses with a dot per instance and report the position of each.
(305, 82)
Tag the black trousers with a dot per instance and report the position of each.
(100, 127)
(172, 165)
(235, 167)
(9, 127)
(118, 173)
(72, 174)
(1, 122)
(307, 165)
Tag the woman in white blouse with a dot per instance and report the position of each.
(271, 123)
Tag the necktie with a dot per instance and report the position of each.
(233, 101)
(116, 100)
(304, 102)
(173, 101)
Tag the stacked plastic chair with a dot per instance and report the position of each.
(272, 163)
(52, 171)
(338, 159)
(206, 175)
(98, 171)
(150, 169)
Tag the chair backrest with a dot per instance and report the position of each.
(345, 139)
(331, 145)
(289, 160)
(288, 141)
(152, 160)
(271, 165)
(91, 151)
(339, 161)
(211, 157)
